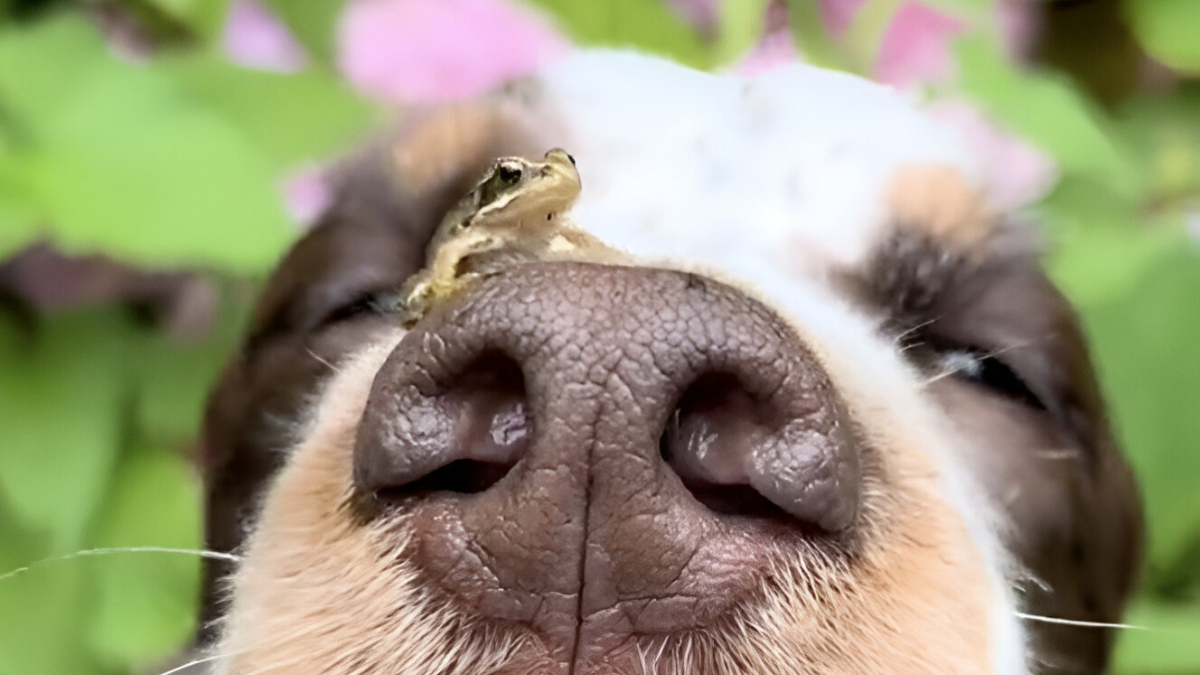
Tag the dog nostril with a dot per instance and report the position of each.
(740, 455)
(708, 440)
(463, 436)
(466, 476)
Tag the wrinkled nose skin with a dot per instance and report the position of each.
(602, 454)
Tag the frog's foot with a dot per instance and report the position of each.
(427, 290)
(416, 300)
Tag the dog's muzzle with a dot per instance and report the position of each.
(601, 451)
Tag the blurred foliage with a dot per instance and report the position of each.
(174, 161)
(1167, 30)
(90, 134)
(312, 22)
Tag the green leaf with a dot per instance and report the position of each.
(1103, 244)
(165, 163)
(18, 222)
(128, 170)
(1048, 112)
(649, 25)
(206, 17)
(1167, 646)
(864, 36)
(1167, 29)
(741, 26)
(312, 22)
(174, 379)
(63, 394)
(1164, 138)
(17, 229)
(42, 610)
(291, 118)
(146, 603)
(812, 37)
(1145, 343)
(52, 52)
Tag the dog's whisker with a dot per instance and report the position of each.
(1058, 454)
(200, 553)
(322, 360)
(197, 662)
(899, 339)
(1073, 622)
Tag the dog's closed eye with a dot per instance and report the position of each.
(987, 370)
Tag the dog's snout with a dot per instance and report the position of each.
(650, 425)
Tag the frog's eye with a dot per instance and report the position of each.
(571, 158)
(509, 174)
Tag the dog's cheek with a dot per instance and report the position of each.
(1072, 519)
(259, 410)
(320, 591)
(936, 565)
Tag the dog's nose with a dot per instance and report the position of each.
(625, 436)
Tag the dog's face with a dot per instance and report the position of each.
(834, 419)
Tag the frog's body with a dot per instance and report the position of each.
(517, 213)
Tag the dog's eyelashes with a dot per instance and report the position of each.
(372, 303)
(987, 370)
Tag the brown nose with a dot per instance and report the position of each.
(580, 445)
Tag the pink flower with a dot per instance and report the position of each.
(916, 46)
(306, 193)
(255, 38)
(437, 50)
(838, 14)
(775, 48)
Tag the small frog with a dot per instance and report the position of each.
(517, 213)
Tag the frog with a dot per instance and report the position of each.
(517, 213)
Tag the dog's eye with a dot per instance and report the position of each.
(371, 303)
(988, 370)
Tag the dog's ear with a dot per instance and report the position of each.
(327, 296)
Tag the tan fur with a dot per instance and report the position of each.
(352, 611)
(942, 202)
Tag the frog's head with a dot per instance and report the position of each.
(517, 191)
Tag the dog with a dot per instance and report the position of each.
(824, 413)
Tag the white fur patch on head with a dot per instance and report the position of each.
(789, 169)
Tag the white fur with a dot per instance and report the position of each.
(793, 163)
